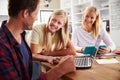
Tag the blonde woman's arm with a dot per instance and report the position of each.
(110, 46)
(34, 48)
(38, 57)
(76, 38)
(68, 51)
(35, 54)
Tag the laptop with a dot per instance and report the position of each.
(86, 61)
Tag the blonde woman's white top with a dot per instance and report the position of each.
(82, 38)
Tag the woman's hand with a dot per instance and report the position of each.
(82, 50)
(53, 60)
(44, 52)
(104, 50)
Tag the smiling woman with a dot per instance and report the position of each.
(52, 38)
(91, 32)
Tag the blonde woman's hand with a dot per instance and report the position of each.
(104, 50)
(53, 60)
(43, 52)
(82, 50)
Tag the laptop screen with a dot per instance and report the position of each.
(90, 50)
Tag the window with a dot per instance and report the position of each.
(44, 15)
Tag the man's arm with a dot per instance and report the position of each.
(7, 68)
(65, 66)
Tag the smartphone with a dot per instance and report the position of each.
(102, 46)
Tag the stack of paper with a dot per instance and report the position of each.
(107, 61)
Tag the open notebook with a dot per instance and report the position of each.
(86, 61)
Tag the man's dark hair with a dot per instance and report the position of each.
(15, 6)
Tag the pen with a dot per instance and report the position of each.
(107, 57)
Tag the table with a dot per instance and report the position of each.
(97, 72)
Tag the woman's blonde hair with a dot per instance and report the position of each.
(97, 24)
(60, 37)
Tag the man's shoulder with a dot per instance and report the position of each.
(3, 37)
(2, 34)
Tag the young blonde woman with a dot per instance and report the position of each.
(52, 39)
(91, 33)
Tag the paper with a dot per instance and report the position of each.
(107, 61)
(79, 54)
(107, 55)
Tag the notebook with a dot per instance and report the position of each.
(86, 61)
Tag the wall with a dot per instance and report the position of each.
(3, 7)
(115, 21)
(115, 35)
(54, 4)
(3, 10)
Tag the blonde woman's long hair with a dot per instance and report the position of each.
(97, 24)
(60, 37)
